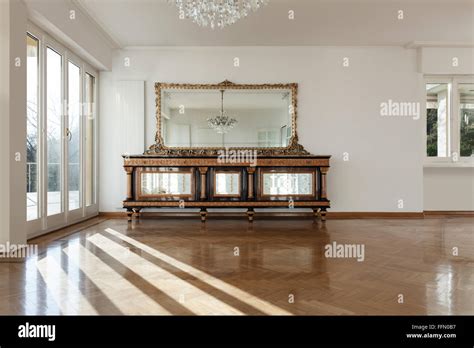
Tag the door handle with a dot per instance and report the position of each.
(68, 134)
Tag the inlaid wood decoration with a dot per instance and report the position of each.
(226, 145)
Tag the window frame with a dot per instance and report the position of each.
(454, 128)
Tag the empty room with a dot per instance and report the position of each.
(198, 162)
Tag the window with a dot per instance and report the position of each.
(449, 120)
(32, 126)
(74, 135)
(466, 118)
(61, 158)
(437, 144)
(90, 143)
(268, 137)
(53, 130)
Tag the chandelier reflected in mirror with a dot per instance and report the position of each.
(216, 13)
(222, 123)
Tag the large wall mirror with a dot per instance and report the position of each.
(205, 118)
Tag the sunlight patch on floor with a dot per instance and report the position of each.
(64, 290)
(231, 290)
(121, 292)
(189, 296)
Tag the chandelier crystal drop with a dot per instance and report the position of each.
(221, 123)
(216, 13)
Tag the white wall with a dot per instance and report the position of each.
(439, 60)
(13, 122)
(119, 133)
(448, 189)
(338, 112)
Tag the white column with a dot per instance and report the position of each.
(12, 122)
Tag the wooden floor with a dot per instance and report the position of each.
(181, 266)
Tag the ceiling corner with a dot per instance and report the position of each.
(109, 37)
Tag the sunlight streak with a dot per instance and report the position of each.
(64, 290)
(129, 300)
(237, 293)
(189, 296)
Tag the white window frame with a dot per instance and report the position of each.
(45, 224)
(267, 131)
(454, 129)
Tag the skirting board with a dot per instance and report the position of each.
(299, 215)
(438, 213)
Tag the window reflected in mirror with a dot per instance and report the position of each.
(227, 184)
(287, 184)
(166, 183)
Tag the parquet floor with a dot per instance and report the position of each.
(181, 266)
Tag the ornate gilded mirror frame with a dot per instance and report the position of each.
(159, 148)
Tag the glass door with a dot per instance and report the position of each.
(90, 146)
(33, 212)
(61, 136)
(54, 138)
(74, 141)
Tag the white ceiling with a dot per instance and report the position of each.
(317, 22)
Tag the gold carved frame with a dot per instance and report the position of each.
(159, 148)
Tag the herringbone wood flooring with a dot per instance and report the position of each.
(181, 266)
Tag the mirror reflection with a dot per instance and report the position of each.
(166, 183)
(227, 184)
(226, 117)
(287, 183)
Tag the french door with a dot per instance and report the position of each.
(61, 136)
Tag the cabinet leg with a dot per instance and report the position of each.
(136, 212)
(316, 213)
(203, 214)
(250, 214)
(323, 214)
(129, 215)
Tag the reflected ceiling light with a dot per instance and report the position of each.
(222, 123)
(216, 13)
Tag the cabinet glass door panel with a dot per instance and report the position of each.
(227, 184)
(288, 184)
(166, 184)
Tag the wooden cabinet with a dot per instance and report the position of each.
(206, 182)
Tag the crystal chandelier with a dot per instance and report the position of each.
(218, 13)
(222, 123)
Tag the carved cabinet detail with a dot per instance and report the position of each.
(286, 182)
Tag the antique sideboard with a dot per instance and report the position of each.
(207, 182)
(226, 145)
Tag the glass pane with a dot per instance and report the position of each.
(227, 184)
(466, 116)
(287, 183)
(73, 134)
(228, 118)
(437, 125)
(90, 113)
(166, 183)
(53, 130)
(32, 108)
